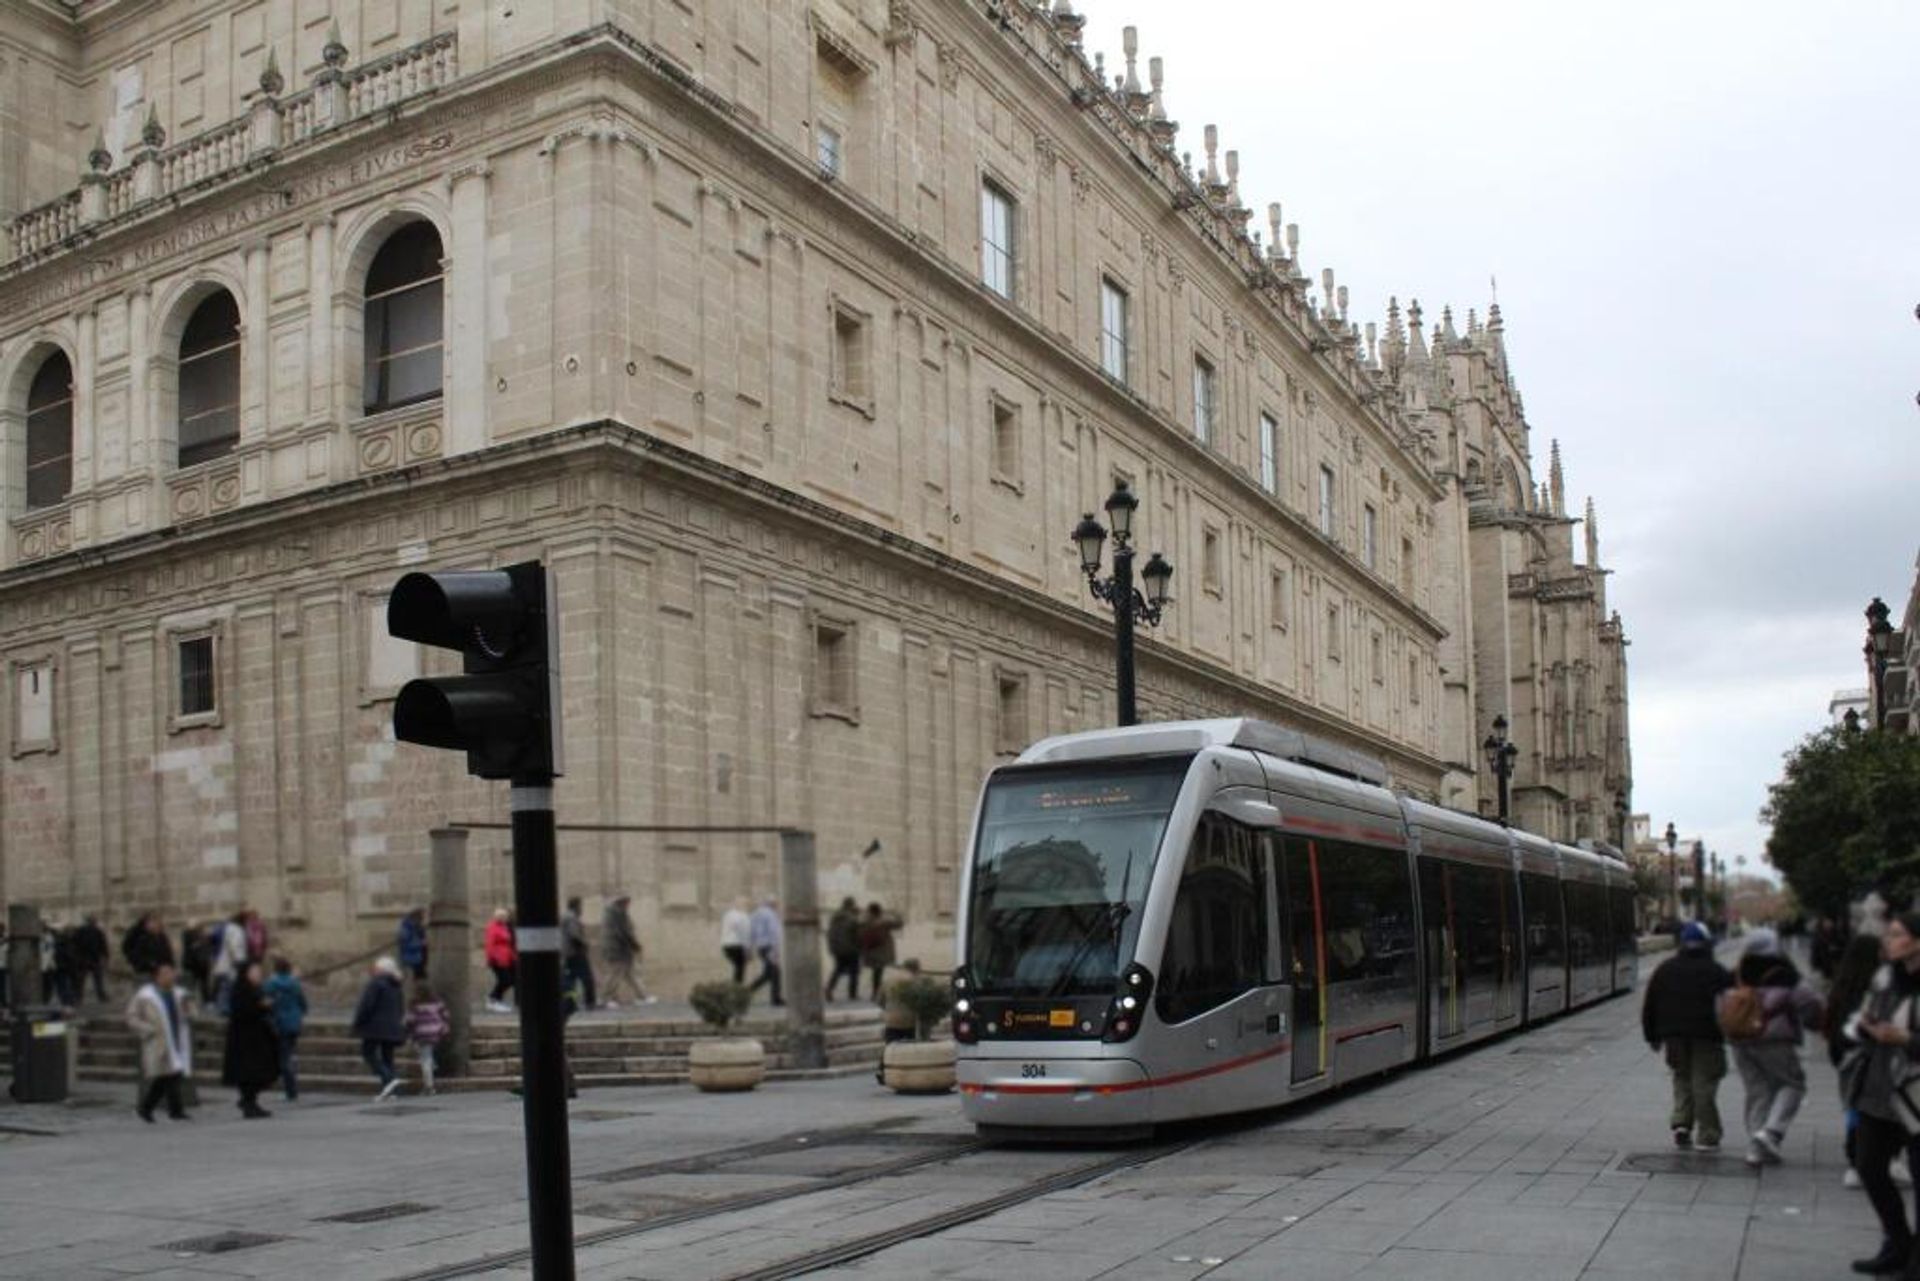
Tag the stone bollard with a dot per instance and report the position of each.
(800, 951)
(450, 944)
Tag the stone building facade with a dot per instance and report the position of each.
(796, 338)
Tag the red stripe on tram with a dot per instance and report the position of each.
(1381, 836)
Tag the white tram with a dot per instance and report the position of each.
(1185, 919)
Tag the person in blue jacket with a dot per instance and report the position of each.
(413, 943)
(289, 1002)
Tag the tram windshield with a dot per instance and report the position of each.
(1061, 874)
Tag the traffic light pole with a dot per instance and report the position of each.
(543, 1059)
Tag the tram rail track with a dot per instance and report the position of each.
(836, 1253)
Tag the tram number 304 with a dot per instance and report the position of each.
(1031, 1070)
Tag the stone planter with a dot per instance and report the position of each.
(918, 1067)
(722, 1064)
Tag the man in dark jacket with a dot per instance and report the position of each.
(146, 945)
(379, 1020)
(1679, 1015)
(843, 944)
(90, 958)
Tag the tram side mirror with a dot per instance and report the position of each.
(1247, 810)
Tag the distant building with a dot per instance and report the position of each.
(795, 336)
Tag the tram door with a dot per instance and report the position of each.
(1306, 942)
(1505, 993)
(1445, 989)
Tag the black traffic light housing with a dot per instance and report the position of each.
(504, 711)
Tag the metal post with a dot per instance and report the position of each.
(1501, 772)
(800, 951)
(1123, 633)
(543, 1062)
(23, 956)
(450, 944)
(1700, 882)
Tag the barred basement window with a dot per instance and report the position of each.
(210, 380)
(405, 320)
(828, 150)
(50, 432)
(197, 684)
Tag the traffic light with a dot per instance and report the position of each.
(504, 711)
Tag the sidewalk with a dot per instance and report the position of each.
(1543, 1156)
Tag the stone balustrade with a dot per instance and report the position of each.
(274, 125)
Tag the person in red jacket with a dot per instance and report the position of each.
(501, 958)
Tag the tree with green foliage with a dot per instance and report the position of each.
(1846, 818)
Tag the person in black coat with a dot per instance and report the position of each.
(380, 1021)
(90, 957)
(146, 945)
(1678, 1016)
(252, 1060)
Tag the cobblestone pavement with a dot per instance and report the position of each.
(1541, 1156)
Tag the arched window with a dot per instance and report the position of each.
(50, 432)
(210, 380)
(404, 322)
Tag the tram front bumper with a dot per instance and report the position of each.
(1045, 1090)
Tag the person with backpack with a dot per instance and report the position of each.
(843, 945)
(289, 1001)
(1764, 1016)
(1884, 1036)
(1677, 1018)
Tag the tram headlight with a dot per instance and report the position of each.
(1123, 1016)
(962, 1005)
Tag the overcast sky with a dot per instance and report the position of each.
(1702, 216)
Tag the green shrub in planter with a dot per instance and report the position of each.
(720, 1003)
(928, 1000)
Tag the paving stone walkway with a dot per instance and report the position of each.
(1541, 1156)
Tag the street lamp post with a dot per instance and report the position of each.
(1673, 881)
(1130, 606)
(1879, 645)
(1500, 754)
(1700, 881)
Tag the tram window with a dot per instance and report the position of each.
(1366, 898)
(1546, 936)
(1623, 931)
(1481, 895)
(1217, 934)
(1586, 922)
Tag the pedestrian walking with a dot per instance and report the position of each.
(843, 945)
(575, 954)
(230, 956)
(502, 957)
(1882, 1033)
(56, 965)
(90, 959)
(763, 932)
(197, 946)
(412, 942)
(427, 1027)
(146, 945)
(1853, 975)
(252, 1061)
(380, 1021)
(1677, 1018)
(1766, 1048)
(256, 932)
(156, 1016)
(876, 945)
(736, 936)
(621, 947)
(289, 1001)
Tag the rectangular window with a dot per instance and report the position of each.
(1406, 566)
(852, 360)
(1113, 329)
(1413, 678)
(1277, 603)
(197, 690)
(33, 706)
(1327, 514)
(833, 669)
(1210, 573)
(1269, 453)
(1378, 667)
(1006, 443)
(1203, 401)
(1012, 721)
(1333, 632)
(828, 150)
(1370, 537)
(996, 239)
